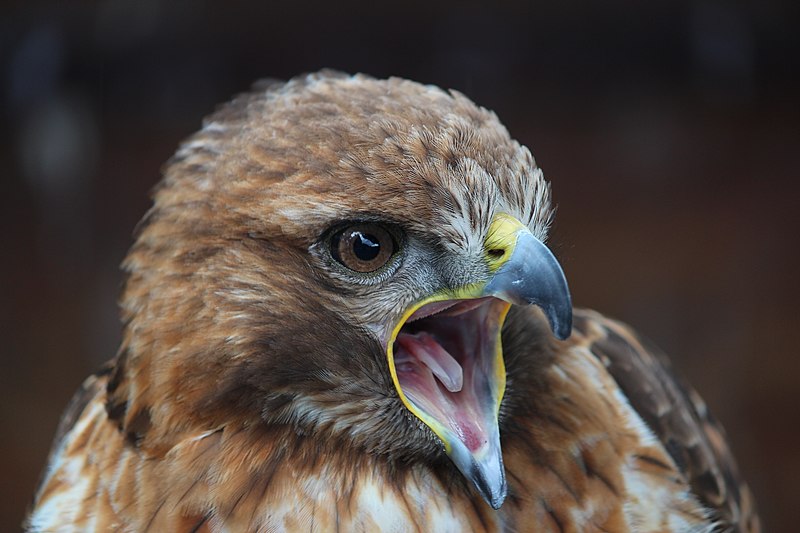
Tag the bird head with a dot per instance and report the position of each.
(335, 257)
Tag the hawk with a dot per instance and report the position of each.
(340, 314)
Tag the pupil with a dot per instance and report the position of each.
(366, 247)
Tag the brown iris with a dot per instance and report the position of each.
(363, 247)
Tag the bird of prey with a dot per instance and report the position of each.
(340, 315)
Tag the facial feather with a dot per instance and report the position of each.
(253, 388)
(230, 308)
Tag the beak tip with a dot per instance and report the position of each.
(562, 329)
(497, 501)
(493, 492)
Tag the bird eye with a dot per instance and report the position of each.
(363, 247)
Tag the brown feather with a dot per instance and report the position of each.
(680, 419)
(251, 393)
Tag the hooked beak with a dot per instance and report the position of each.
(528, 273)
(445, 354)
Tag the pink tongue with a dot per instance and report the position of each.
(424, 347)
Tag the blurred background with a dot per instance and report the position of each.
(670, 131)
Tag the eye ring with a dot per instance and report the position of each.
(363, 247)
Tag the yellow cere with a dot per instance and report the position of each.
(501, 237)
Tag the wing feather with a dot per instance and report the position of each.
(678, 417)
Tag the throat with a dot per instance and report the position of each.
(420, 353)
(449, 366)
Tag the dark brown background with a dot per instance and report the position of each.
(670, 131)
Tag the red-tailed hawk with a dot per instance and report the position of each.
(340, 315)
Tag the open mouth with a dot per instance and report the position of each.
(445, 354)
(449, 366)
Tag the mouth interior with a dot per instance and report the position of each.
(449, 365)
